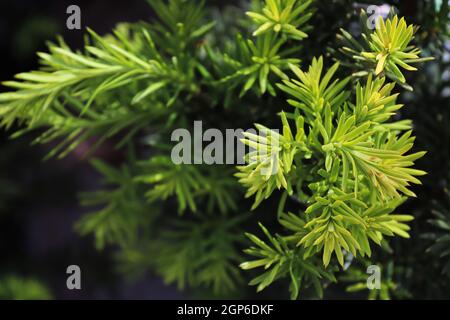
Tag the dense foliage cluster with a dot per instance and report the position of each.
(332, 185)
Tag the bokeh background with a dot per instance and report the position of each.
(39, 200)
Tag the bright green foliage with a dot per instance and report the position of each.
(343, 222)
(341, 160)
(18, 288)
(272, 161)
(312, 92)
(70, 96)
(252, 62)
(375, 102)
(386, 50)
(389, 47)
(283, 16)
(359, 166)
(282, 261)
(180, 24)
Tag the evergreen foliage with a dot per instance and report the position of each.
(343, 164)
